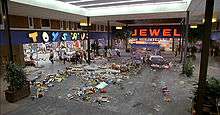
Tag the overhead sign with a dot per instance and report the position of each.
(155, 32)
(26, 37)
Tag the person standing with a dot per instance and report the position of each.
(51, 56)
(77, 57)
(84, 55)
(118, 52)
(64, 58)
(73, 58)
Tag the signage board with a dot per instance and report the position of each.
(26, 37)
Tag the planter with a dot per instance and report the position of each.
(208, 109)
(13, 96)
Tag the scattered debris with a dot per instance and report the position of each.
(181, 82)
(157, 108)
(137, 104)
(154, 84)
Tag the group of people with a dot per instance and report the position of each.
(75, 57)
(78, 57)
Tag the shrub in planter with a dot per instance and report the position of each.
(188, 68)
(212, 97)
(18, 85)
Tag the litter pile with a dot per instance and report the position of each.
(42, 86)
(94, 80)
(166, 92)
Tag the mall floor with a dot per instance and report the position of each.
(141, 95)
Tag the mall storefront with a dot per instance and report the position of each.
(38, 44)
(155, 37)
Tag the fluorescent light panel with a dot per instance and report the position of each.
(137, 9)
(119, 2)
(80, 1)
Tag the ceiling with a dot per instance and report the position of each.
(38, 12)
(197, 10)
(114, 10)
(110, 7)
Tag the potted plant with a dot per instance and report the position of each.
(188, 68)
(18, 85)
(211, 104)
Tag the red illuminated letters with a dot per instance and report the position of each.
(175, 33)
(167, 32)
(155, 32)
(135, 33)
(143, 32)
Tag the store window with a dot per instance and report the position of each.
(102, 28)
(94, 27)
(67, 25)
(74, 26)
(1, 20)
(45, 23)
(106, 28)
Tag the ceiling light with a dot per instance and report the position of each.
(195, 26)
(213, 20)
(118, 28)
(83, 22)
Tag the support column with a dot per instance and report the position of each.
(173, 45)
(108, 29)
(186, 40)
(126, 39)
(182, 39)
(88, 40)
(204, 56)
(7, 31)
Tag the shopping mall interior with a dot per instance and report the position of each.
(110, 57)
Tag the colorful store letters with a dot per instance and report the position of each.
(34, 36)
